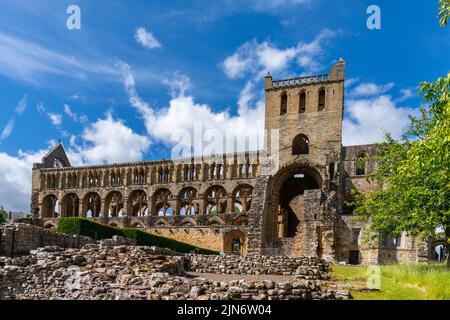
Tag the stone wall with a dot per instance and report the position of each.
(208, 238)
(96, 272)
(305, 267)
(20, 238)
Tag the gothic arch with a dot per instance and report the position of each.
(216, 200)
(283, 103)
(242, 198)
(361, 164)
(161, 203)
(92, 205)
(114, 204)
(138, 203)
(49, 206)
(70, 205)
(321, 99)
(302, 101)
(188, 202)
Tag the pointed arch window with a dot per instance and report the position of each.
(283, 103)
(361, 161)
(302, 102)
(321, 99)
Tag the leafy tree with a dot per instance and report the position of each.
(444, 13)
(3, 215)
(414, 171)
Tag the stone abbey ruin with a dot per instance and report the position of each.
(238, 203)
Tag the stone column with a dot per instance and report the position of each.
(230, 205)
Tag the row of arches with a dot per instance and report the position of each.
(114, 177)
(302, 101)
(187, 202)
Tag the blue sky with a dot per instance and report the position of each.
(138, 70)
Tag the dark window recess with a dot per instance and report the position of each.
(302, 102)
(283, 104)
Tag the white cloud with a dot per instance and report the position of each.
(7, 130)
(55, 118)
(183, 112)
(371, 89)
(367, 119)
(406, 94)
(146, 38)
(96, 147)
(99, 147)
(15, 174)
(259, 58)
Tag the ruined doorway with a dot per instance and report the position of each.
(353, 257)
(236, 246)
(291, 198)
(234, 243)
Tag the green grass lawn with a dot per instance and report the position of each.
(398, 282)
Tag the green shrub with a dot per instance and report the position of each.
(86, 227)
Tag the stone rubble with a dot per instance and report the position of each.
(304, 267)
(98, 272)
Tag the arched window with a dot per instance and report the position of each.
(302, 102)
(321, 99)
(361, 165)
(300, 145)
(283, 105)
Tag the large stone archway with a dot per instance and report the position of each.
(298, 215)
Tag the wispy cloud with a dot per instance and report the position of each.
(371, 89)
(22, 105)
(257, 59)
(81, 118)
(27, 61)
(20, 108)
(7, 130)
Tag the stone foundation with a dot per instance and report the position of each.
(97, 272)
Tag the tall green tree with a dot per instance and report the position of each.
(414, 171)
(3, 215)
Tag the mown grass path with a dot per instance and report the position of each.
(398, 282)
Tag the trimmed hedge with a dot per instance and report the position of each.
(86, 227)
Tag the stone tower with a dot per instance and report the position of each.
(300, 212)
(307, 110)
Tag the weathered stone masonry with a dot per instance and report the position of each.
(287, 200)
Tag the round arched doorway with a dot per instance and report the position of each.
(291, 185)
(235, 243)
